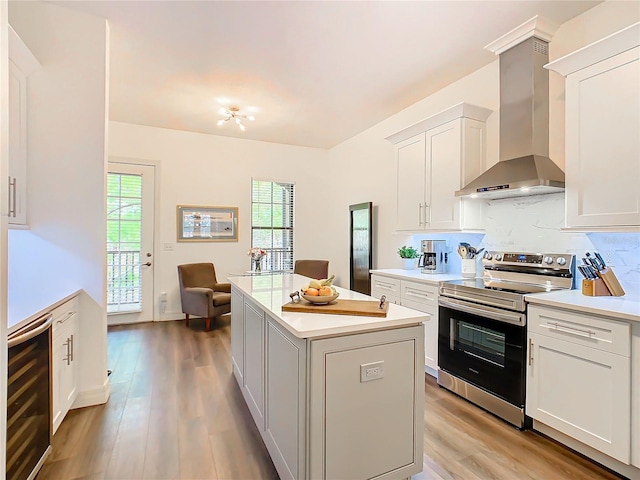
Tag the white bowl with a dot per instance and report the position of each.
(320, 300)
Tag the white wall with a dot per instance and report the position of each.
(360, 169)
(199, 169)
(367, 161)
(66, 111)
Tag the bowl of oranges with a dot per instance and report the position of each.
(320, 292)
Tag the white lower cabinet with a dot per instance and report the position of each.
(419, 296)
(579, 378)
(65, 348)
(309, 399)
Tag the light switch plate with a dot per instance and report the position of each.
(371, 371)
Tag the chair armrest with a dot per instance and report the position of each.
(222, 287)
(198, 292)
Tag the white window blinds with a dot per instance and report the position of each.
(272, 222)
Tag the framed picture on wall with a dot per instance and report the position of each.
(207, 224)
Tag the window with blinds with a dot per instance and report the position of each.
(272, 222)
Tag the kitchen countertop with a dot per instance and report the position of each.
(626, 307)
(272, 291)
(416, 275)
(24, 306)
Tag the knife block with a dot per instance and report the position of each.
(595, 288)
(611, 281)
(606, 285)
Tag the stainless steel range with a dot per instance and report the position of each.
(482, 328)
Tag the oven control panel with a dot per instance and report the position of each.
(548, 260)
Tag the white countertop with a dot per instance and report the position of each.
(272, 291)
(416, 275)
(25, 306)
(626, 307)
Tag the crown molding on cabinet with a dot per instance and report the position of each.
(461, 110)
(20, 54)
(616, 43)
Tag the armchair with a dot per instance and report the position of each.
(201, 294)
(317, 269)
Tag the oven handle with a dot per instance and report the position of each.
(32, 332)
(513, 318)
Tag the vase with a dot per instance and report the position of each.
(257, 264)
(409, 263)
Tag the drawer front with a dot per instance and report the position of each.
(601, 333)
(419, 292)
(390, 298)
(63, 313)
(387, 285)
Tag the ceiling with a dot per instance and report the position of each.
(312, 73)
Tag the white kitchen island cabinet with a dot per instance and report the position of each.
(602, 123)
(333, 396)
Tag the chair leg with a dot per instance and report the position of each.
(187, 319)
(208, 324)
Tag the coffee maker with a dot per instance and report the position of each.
(434, 256)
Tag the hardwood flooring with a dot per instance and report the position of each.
(176, 412)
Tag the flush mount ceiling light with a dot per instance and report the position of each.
(232, 113)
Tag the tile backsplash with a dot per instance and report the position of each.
(534, 224)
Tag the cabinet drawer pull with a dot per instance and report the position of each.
(417, 293)
(69, 315)
(572, 330)
(387, 286)
(530, 352)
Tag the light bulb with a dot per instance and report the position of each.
(221, 122)
(251, 117)
(242, 127)
(223, 111)
(238, 121)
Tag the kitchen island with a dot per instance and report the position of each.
(333, 396)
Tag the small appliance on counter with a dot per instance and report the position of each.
(434, 256)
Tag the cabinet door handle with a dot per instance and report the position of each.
(67, 357)
(427, 221)
(13, 185)
(530, 352)
(72, 347)
(420, 214)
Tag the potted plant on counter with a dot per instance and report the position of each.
(408, 256)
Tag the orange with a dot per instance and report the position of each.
(325, 291)
(313, 292)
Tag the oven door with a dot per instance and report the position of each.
(484, 346)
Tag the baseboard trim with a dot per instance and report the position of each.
(93, 396)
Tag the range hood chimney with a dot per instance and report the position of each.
(525, 167)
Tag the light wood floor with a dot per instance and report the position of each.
(175, 412)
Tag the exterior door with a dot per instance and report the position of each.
(130, 260)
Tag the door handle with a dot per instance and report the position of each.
(148, 264)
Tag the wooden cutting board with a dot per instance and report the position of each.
(364, 308)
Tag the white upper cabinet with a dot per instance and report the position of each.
(602, 125)
(22, 63)
(436, 157)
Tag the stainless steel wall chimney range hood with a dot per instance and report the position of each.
(525, 167)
